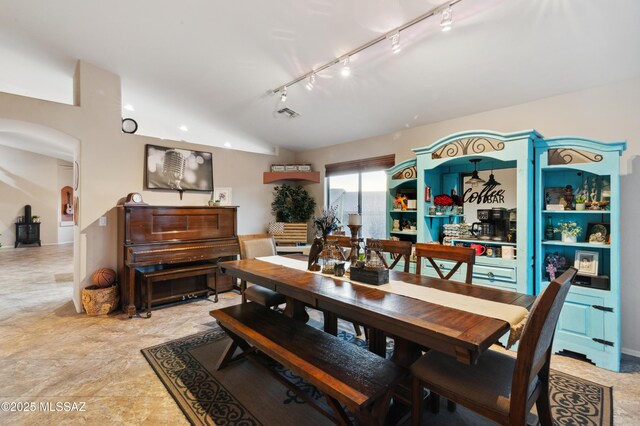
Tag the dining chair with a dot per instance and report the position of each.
(461, 255)
(342, 242)
(252, 246)
(498, 386)
(398, 250)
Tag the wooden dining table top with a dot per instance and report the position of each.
(459, 333)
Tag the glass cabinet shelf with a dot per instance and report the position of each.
(578, 244)
(576, 211)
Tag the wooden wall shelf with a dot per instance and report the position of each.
(270, 177)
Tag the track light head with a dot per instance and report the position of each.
(447, 19)
(311, 82)
(395, 42)
(283, 95)
(346, 70)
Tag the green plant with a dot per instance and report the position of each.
(292, 204)
(571, 229)
(581, 199)
(326, 223)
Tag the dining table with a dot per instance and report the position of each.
(414, 324)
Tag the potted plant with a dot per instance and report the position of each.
(569, 231)
(293, 207)
(35, 218)
(580, 202)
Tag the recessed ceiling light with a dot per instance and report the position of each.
(227, 144)
(184, 128)
(129, 107)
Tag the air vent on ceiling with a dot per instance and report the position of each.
(288, 112)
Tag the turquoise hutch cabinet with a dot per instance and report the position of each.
(537, 181)
(446, 165)
(590, 320)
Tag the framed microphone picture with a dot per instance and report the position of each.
(177, 169)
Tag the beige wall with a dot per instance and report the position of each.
(111, 165)
(608, 113)
(28, 178)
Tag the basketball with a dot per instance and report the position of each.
(103, 277)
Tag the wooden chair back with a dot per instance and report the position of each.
(397, 249)
(457, 254)
(534, 350)
(256, 245)
(342, 242)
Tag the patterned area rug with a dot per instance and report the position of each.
(244, 393)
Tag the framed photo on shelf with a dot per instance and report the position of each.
(586, 262)
(598, 233)
(223, 195)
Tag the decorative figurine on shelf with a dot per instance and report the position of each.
(594, 194)
(568, 197)
(552, 271)
(555, 263)
(400, 202)
(585, 190)
(396, 225)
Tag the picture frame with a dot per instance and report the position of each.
(593, 228)
(586, 262)
(176, 169)
(554, 196)
(222, 194)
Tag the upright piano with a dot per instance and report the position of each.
(159, 237)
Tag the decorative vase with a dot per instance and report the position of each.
(569, 238)
(438, 210)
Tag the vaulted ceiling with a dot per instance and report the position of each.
(209, 65)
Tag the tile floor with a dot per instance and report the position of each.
(51, 354)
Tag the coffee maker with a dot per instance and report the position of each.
(493, 225)
(483, 230)
(500, 219)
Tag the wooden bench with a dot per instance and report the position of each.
(149, 278)
(362, 381)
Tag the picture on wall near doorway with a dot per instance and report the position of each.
(223, 195)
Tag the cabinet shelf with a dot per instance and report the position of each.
(581, 245)
(404, 232)
(576, 211)
(394, 183)
(270, 177)
(485, 242)
(402, 211)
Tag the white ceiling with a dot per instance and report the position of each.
(209, 64)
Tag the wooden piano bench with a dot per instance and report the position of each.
(149, 278)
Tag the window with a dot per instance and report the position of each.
(360, 187)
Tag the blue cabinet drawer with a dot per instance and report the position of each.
(494, 273)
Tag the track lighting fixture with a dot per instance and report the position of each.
(283, 96)
(311, 82)
(395, 42)
(447, 19)
(492, 181)
(346, 70)
(475, 179)
(393, 36)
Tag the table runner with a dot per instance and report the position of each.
(516, 316)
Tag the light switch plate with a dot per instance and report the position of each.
(102, 221)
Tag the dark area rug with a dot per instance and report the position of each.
(244, 393)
